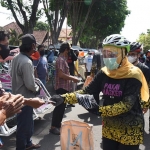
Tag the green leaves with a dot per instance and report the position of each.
(145, 40)
(25, 12)
(106, 17)
(41, 26)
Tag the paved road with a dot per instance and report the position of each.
(52, 142)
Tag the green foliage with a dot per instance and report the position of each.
(55, 11)
(14, 38)
(41, 26)
(105, 18)
(87, 2)
(25, 12)
(145, 40)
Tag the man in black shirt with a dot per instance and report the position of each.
(71, 58)
(97, 61)
(133, 57)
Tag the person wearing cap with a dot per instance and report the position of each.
(4, 53)
(23, 82)
(88, 63)
(62, 86)
(122, 116)
(41, 65)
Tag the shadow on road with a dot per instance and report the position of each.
(91, 118)
(146, 141)
(50, 142)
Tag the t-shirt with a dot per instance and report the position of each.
(88, 61)
(61, 63)
(41, 67)
(22, 73)
(51, 56)
(71, 58)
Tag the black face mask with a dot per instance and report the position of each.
(4, 51)
(42, 53)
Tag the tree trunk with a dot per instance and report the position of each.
(77, 33)
(56, 22)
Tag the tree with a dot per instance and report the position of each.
(25, 13)
(14, 38)
(55, 11)
(145, 40)
(78, 15)
(105, 18)
(41, 26)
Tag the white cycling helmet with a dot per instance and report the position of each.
(117, 40)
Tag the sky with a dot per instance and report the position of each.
(136, 23)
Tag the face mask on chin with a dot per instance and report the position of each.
(111, 63)
(132, 59)
(4, 51)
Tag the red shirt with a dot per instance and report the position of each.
(61, 63)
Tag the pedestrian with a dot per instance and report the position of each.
(23, 82)
(72, 57)
(147, 62)
(123, 121)
(97, 61)
(142, 57)
(41, 66)
(88, 63)
(133, 57)
(63, 78)
(9, 104)
(52, 54)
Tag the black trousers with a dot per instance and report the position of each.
(113, 145)
(58, 112)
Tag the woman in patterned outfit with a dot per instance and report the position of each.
(123, 86)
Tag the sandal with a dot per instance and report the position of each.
(33, 146)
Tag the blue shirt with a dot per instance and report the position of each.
(41, 67)
(51, 56)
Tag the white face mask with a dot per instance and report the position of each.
(132, 59)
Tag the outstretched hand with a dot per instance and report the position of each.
(34, 102)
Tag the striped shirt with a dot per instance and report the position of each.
(61, 63)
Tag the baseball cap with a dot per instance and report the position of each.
(28, 39)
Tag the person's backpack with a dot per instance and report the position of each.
(76, 135)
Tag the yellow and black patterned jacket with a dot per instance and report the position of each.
(122, 115)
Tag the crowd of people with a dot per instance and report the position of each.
(115, 70)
